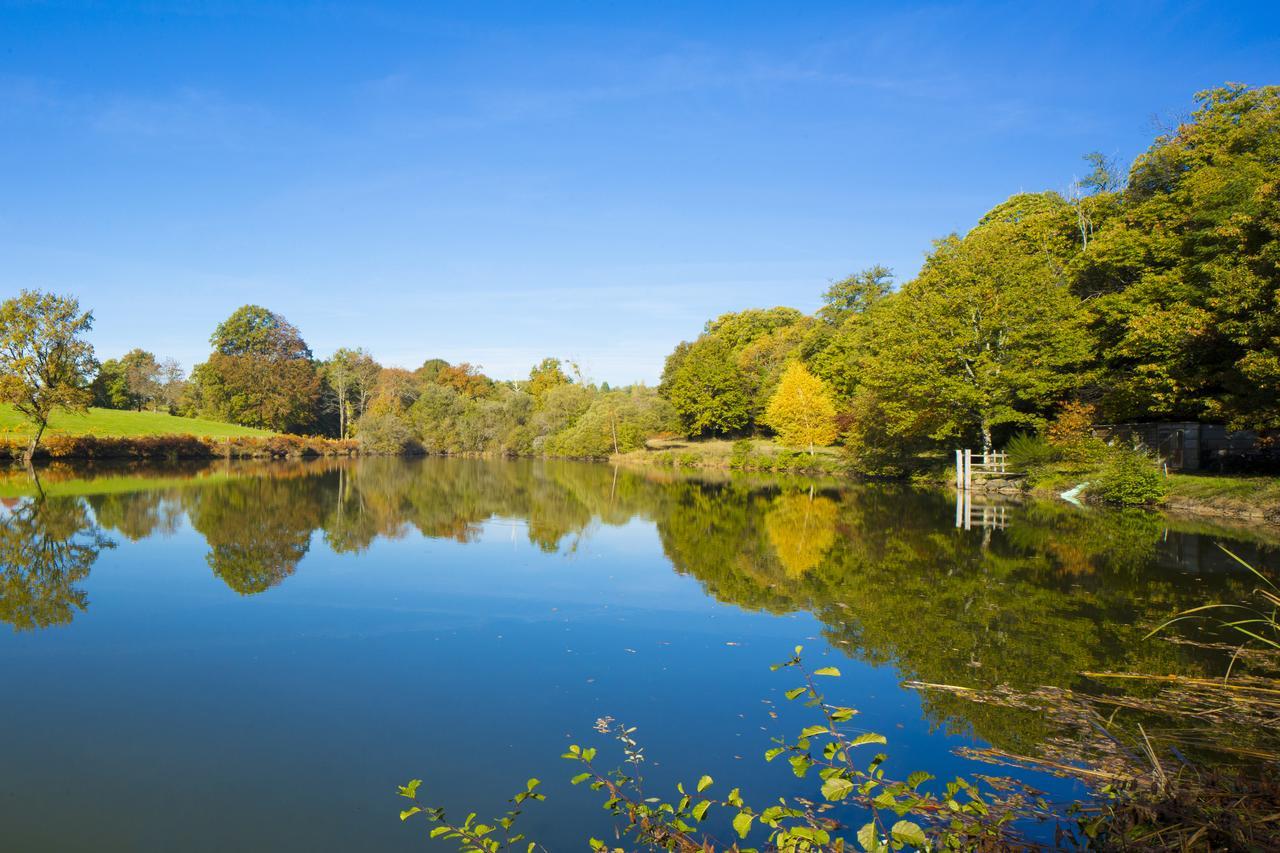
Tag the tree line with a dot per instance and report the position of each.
(1151, 295)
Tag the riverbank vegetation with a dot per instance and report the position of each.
(1146, 294)
(1151, 295)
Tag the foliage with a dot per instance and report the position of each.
(707, 389)
(615, 422)
(385, 433)
(350, 381)
(252, 330)
(903, 815)
(987, 336)
(1071, 433)
(1185, 279)
(1028, 450)
(260, 373)
(1129, 477)
(545, 376)
(47, 546)
(181, 446)
(801, 410)
(45, 363)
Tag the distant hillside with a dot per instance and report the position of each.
(111, 422)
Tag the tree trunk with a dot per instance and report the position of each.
(31, 448)
(986, 437)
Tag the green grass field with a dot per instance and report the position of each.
(112, 422)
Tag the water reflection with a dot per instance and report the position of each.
(47, 547)
(1049, 592)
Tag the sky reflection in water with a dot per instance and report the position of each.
(252, 657)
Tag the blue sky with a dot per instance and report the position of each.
(496, 183)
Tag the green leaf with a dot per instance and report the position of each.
(793, 693)
(700, 810)
(439, 831)
(908, 833)
(915, 780)
(810, 731)
(836, 788)
(410, 790)
(580, 778)
(771, 754)
(828, 670)
(868, 737)
(869, 838)
(742, 823)
(407, 813)
(704, 783)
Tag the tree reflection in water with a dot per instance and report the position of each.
(47, 547)
(1057, 592)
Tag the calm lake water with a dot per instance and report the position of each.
(253, 656)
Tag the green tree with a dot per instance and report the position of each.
(45, 363)
(801, 411)
(855, 294)
(260, 373)
(1184, 283)
(110, 387)
(141, 376)
(707, 389)
(988, 335)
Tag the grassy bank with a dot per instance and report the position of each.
(115, 423)
(748, 454)
(1218, 495)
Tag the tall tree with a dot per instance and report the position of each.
(45, 363)
(988, 335)
(1184, 283)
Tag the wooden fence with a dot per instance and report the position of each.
(969, 463)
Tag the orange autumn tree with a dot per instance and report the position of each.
(802, 411)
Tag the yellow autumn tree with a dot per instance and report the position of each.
(801, 411)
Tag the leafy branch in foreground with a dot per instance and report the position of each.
(473, 836)
(853, 790)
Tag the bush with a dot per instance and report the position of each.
(59, 446)
(386, 434)
(1027, 451)
(1130, 477)
(1071, 433)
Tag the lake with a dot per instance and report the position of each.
(252, 656)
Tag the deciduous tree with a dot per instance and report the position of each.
(45, 362)
(801, 411)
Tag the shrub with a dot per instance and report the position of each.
(1071, 432)
(386, 434)
(1130, 477)
(1027, 451)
